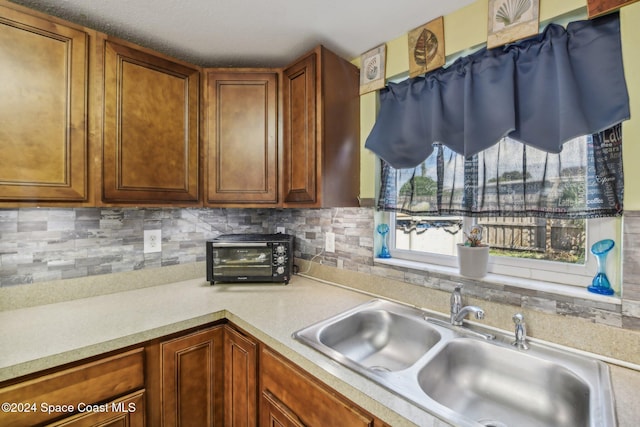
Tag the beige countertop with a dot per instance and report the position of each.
(45, 336)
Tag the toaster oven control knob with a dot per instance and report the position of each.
(280, 270)
(280, 260)
(280, 249)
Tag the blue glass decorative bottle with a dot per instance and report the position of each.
(383, 230)
(600, 284)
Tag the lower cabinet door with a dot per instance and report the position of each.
(291, 397)
(192, 379)
(274, 413)
(128, 411)
(240, 371)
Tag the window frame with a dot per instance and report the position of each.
(553, 272)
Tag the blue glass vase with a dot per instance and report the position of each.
(383, 230)
(600, 284)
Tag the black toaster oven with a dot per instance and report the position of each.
(250, 258)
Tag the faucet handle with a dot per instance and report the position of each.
(456, 296)
(520, 332)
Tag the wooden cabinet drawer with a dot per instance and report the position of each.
(127, 411)
(57, 395)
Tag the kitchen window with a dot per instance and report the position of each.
(524, 139)
(540, 212)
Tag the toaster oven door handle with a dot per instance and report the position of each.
(239, 245)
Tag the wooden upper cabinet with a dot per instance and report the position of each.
(150, 147)
(43, 109)
(241, 166)
(300, 135)
(321, 126)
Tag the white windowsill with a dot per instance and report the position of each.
(536, 285)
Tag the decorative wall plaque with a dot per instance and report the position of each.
(426, 47)
(372, 69)
(511, 20)
(601, 7)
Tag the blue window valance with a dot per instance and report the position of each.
(542, 91)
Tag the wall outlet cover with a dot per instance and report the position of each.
(330, 242)
(152, 241)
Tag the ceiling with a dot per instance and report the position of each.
(250, 33)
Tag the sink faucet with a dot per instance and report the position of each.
(458, 312)
(521, 332)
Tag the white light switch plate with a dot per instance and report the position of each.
(152, 241)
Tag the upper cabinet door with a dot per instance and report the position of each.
(321, 116)
(150, 147)
(43, 110)
(241, 165)
(300, 134)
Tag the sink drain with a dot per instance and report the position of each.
(492, 423)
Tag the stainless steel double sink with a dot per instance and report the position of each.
(463, 375)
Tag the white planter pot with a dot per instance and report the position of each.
(473, 261)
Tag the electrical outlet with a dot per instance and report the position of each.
(329, 241)
(280, 230)
(152, 241)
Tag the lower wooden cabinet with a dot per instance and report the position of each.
(290, 397)
(71, 394)
(205, 378)
(211, 377)
(192, 379)
(240, 375)
(274, 413)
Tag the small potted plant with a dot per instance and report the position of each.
(473, 255)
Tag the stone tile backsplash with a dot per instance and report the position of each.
(38, 245)
(49, 244)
